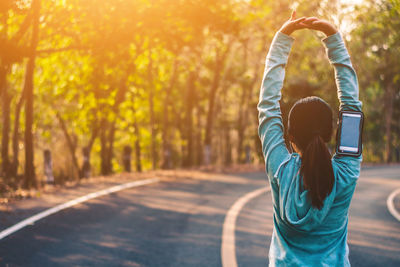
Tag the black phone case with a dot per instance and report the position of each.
(338, 152)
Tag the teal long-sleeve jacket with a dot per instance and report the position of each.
(304, 235)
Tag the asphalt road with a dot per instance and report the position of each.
(180, 224)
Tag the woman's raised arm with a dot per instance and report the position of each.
(270, 127)
(345, 75)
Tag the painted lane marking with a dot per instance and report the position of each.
(228, 250)
(390, 204)
(31, 220)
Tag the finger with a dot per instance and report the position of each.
(299, 20)
(316, 23)
(310, 20)
(308, 23)
(306, 26)
(299, 23)
(293, 16)
(300, 26)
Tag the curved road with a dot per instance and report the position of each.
(180, 224)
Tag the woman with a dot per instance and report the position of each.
(311, 191)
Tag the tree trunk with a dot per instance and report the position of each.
(4, 67)
(388, 98)
(103, 149)
(153, 148)
(198, 144)
(15, 137)
(224, 127)
(240, 122)
(211, 101)
(188, 161)
(108, 128)
(85, 171)
(138, 151)
(240, 129)
(166, 163)
(245, 101)
(30, 178)
(110, 148)
(107, 142)
(126, 158)
(228, 146)
(71, 146)
(137, 141)
(219, 66)
(6, 124)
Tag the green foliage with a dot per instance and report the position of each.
(375, 43)
(116, 70)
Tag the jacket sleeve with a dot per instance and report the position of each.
(345, 75)
(347, 90)
(270, 129)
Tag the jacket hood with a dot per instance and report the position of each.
(295, 207)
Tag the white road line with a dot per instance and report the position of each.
(48, 212)
(390, 204)
(228, 250)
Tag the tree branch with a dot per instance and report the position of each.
(22, 29)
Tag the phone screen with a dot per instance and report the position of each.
(350, 133)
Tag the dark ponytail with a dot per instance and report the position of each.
(316, 168)
(309, 128)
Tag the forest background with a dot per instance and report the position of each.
(175, 83)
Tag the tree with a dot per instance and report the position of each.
(30, 178)
(372, 43)
(12, 51)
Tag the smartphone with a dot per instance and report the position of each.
(349, 133)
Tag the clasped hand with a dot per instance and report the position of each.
(313, 23)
